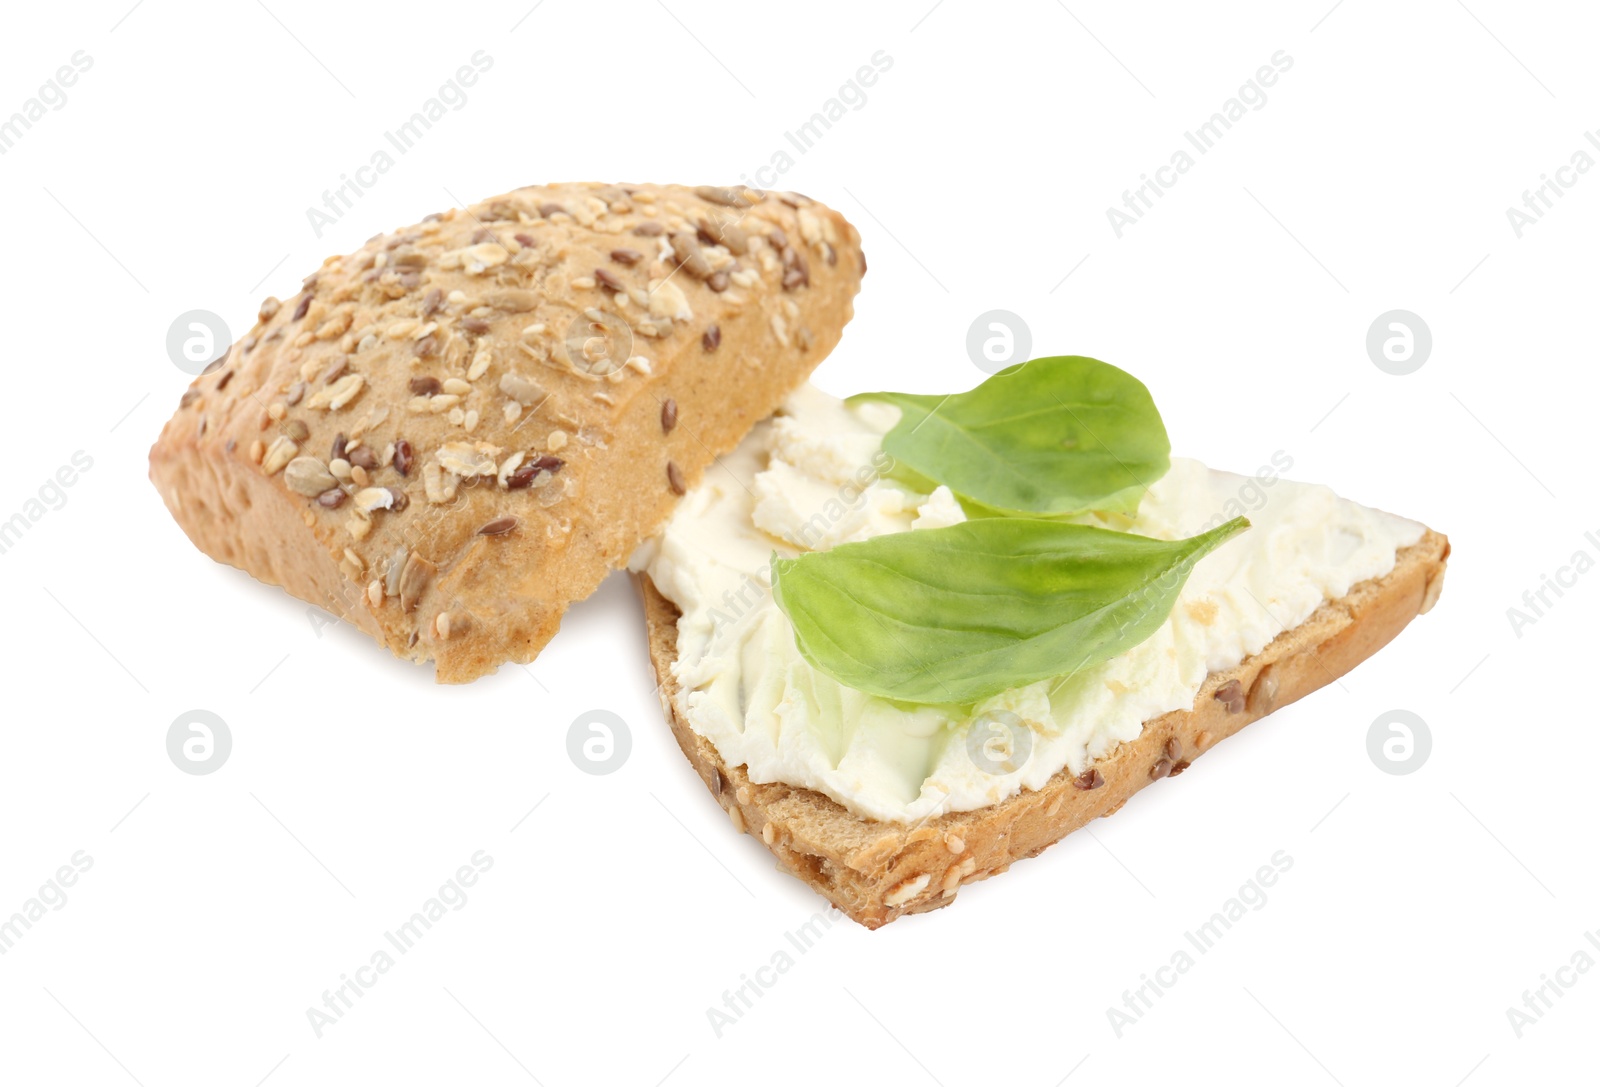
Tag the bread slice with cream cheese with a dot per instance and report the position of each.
(891, 818)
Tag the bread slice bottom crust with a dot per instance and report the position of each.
(878, 871)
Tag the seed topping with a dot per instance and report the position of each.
(1089, 779)
(498, 527)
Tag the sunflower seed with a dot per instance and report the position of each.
(521, 389)
(282, 450)
(310, 477)
(414, 580)
(729, 235)
(728, 198)
(687, 248)
(512, 301)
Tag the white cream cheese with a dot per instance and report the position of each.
(812, 478)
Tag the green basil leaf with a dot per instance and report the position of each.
(954, 615)
(1050, 437)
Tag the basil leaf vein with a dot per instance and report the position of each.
(958, 614)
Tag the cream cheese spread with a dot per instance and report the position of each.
(813, 477)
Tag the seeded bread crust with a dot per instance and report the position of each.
(878, 871)
(456, 431)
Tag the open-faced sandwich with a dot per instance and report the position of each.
(909, 640)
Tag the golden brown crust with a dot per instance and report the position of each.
(631, 333)
(878, 871)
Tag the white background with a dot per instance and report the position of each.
(1377, 176)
